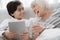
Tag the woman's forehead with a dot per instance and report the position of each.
(20, 6)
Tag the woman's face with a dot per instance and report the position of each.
(19, 13)
(37, 9)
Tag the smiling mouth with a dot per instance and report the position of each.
(37, 11)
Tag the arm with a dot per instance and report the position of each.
(37, 30)
(4, 31)
(3, 27)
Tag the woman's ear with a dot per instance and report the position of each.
(48, 10)
(12, 14)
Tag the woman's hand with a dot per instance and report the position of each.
(36, 29)
(9, 35)
(24, 35)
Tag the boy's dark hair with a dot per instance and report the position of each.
(12, 7)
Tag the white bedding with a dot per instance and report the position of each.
(50, 34)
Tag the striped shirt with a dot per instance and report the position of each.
(52, 21)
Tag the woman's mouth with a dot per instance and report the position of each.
(37, 11)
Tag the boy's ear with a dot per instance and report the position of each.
(12, 14)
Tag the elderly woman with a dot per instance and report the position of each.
(46, 14)
(47, 21)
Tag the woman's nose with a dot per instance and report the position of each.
(22, 11)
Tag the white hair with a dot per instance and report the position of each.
(33, 2)
(48, 4)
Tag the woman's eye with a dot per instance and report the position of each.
(19, 9)
(22, 8)
(33, 6)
